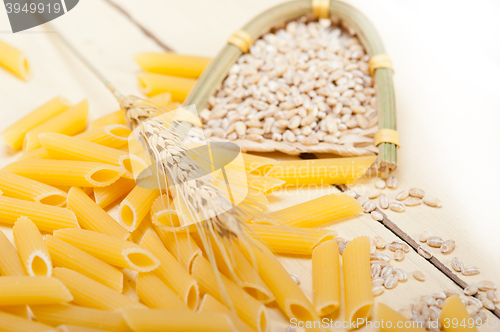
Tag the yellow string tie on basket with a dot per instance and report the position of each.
(241, 39)
(387, 136)
(321, 8)
(379, 61)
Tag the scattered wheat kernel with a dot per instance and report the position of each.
(383, 201)
(493, 296)
(386, 271)
(362, 200)
(412, 201)
(472, 310)
(377, 281)
(435, 241)
(432, 201)
(470, 290)
(481, 315)
(295, 278)
(424, 252)
(447, 246)
(487, 303)
(374, 193)
(399, 255)
(375, 270)
(377, 216)
(439, 303)
(486, 285)
(373, 249)
(380, 184)
(470, 270)
(391, 281)
(428, 300)
(378, 290)
(401, 274)
(402, 195)
(378, 241)
(397, 207)
(403, 246)
(392, 182)
(457, 264)
(439, 295)
(474, 301)
(369, 207)
(451, 292)
(382, 256)
(424, 236)
(416, 192)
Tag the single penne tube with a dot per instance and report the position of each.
(181, 245)
(163, 212)
(91, 294)
(170, 63)
(110, 249)
(157, 320)
(171, 272)
(16, 310)
(70, 122)
(326, 278)
(14, 134)
(117, 117)
(321, 171)
(156, 295)
(66, 172)
(153, 84)
(58, 314)
(65, 255)
(14, 61)
(263, 184)
(33, 251)
(455, 318)
(47, 218)
(136, 206)
(92, 217)
(357, 280)
(105, 196)
(291, 240)
(10, 262)
(258, 165)
(316, 212)
(210, 304)
(28, 290)
(138, 233)
(13, 323)
(394, 321)
(289, 297)
(16, 186)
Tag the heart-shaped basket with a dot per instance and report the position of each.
(385, 139)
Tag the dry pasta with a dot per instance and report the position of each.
(16, 186)
(90, 216)
(172, 64)
(28, 290)
(33, 251)
(110, 249)
(117, 117)
(10, 262)
(14, 134)
(104, 196)
(455, 317)
(321, 171)
(357, 279)
(316, 212)
(210, 304)
(16, 310)
(74, 328)
(57, 314)
(326, 278)
(70, 122)
(394, 321)
(258, 165)
(291, 240)
(137, 235)
(153, 84)
(12, 323)
(136, 206)
(156, 295)
(181, 245)
(158, 320)
(263, 184)
(47, 218)
(89, 293)
(66, 172)
(163, 213)
(65, 255)
(171, 271)
(14, 61)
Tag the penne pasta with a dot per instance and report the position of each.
(291, 240)
(14, 134)
(394, 321)
(136, 206)
(65, 255)
(263, 184)
(12, 323)
(110, 249)
(66, 172)
(33, 251)
(172, 64)
(89, 293)
(57, 314)
(16, 310)
(117, 117)
(163, 212)
(321, 171)
(181, 245)
(326, 278)
(141, 320)
(258, 165)
(14, 61)
(70, 122)
(28, 290)
(137, 235)
(315, 212)
(74, 328)
(357, 280)
(105, 196)
(455, 317)
(153, 84)
(90, 216)
(16, 186)
(210, 304)
(171, 271)
(247, 308)
(156, 295)
(10, 262)
(47, 218)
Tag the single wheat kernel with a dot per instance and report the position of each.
(382, 256)
(448, 246)
(432, 201)
(378, 290)
(401, 245)
(380, 184)
(377, 216)
(397, 207)
(386, 271)
(383, 201)
(378, 241)
(481, 316)
(369, 207)
(474, 301)
(428, 300)
(487, 303)
(373, 249)
(486, 285)
(457, 264)
(377, 281)
(424, 236)
(412, 201)
(435, 241)
(373, 193)
(472, 310)
(424, 252)
(416, 192)
(401, 274)
(451, 292)
(470, 290)
(470, 270)
(439, 303)
(439, 295)
(391, 282)
(399, 255)
(375, 270)
(492, 295)
(403, 195)
(380, 262)
(392, 182)
(362, 199)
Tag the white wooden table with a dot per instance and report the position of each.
(446, 59)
